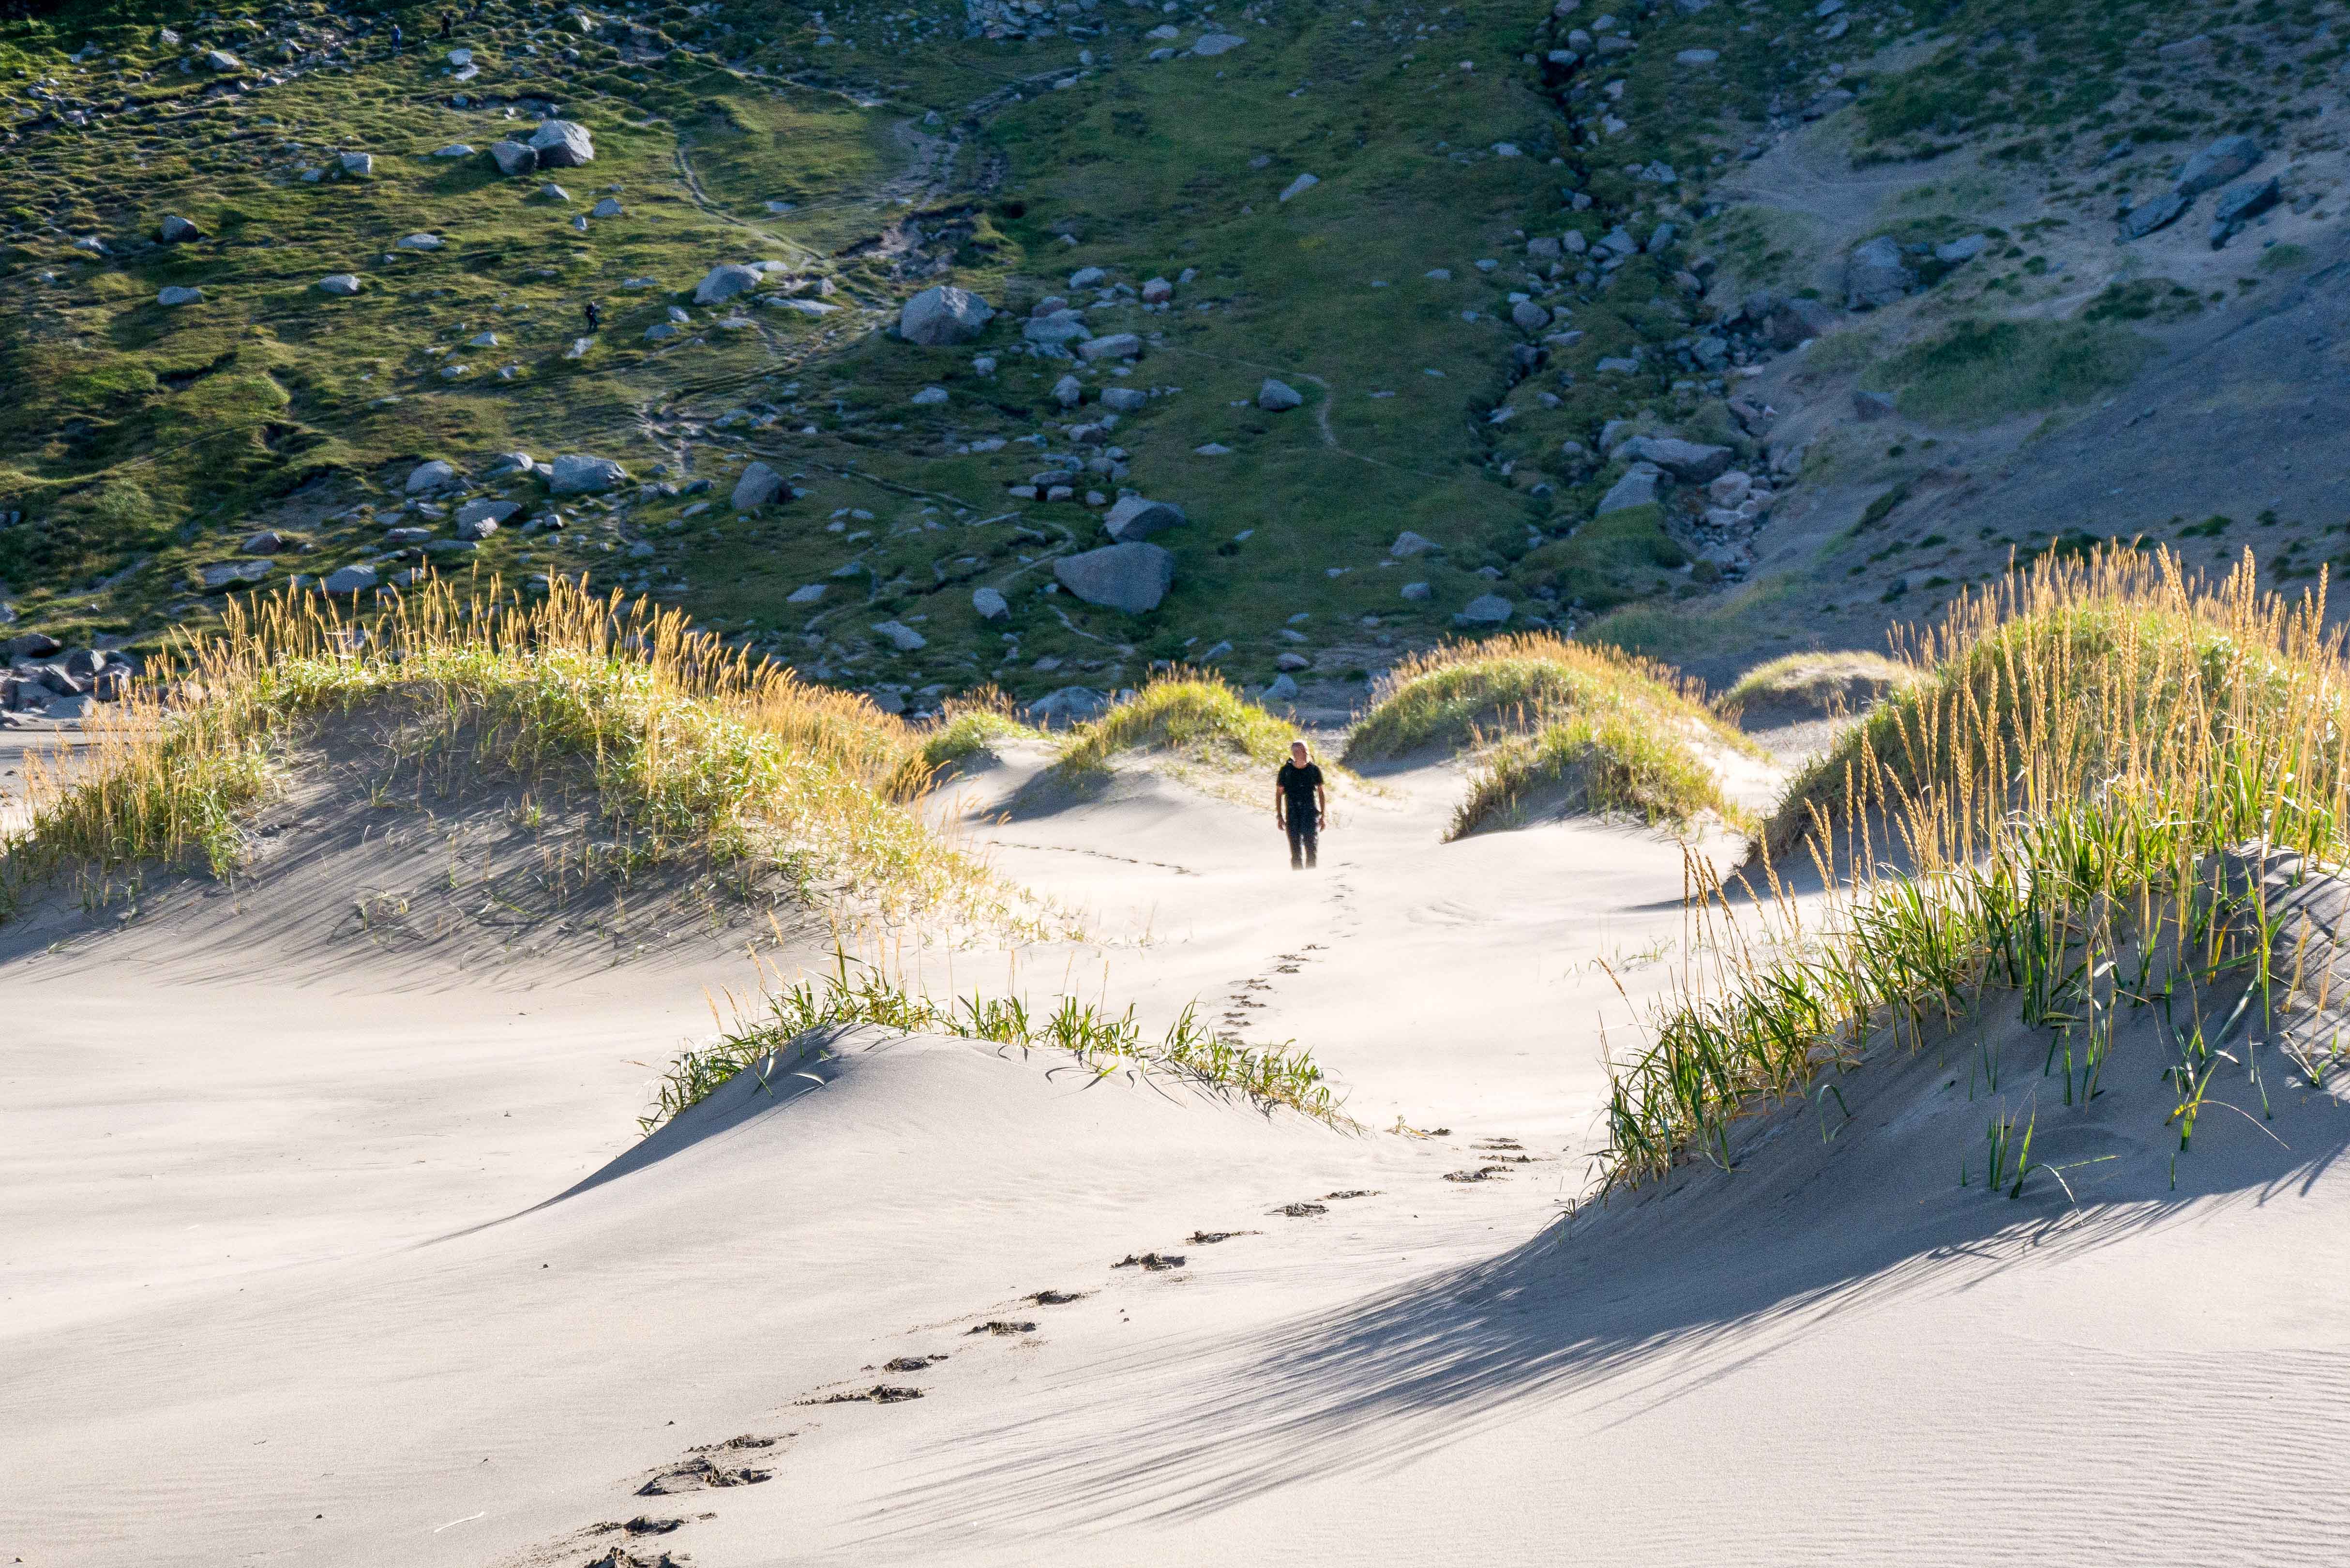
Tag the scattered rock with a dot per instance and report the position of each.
(1068, 391)
(1697, 57)
(610, 207)
(429, 476)
(1158, 291)
(759, 485)
(1870, 406)
(1685, 461)
(1132, 578)
(903, 637)
(1275, 396)
(1068, 705)
(2239, 206)
(222, 60)
(178, 296)
(1792, 321)
(1874, 275)
(1125, 400)
(1284, 689)
(1213, 44)
(580, 473)
(1637, 488)
(267, 542)
(358, 164)
(418, 241)
(1417, 592)
(944, 315)
(1114, 346)
(229, 574)
(349, 579)
(1485, 610)
(1528, 317)
(2159, 213)
(454, 149)
(990, 604)
(1134, 518)
(1299, 186)
(2219, 163)
(1059, 327)
(562, 144)
(340, 283)
(1963, 250)
(480, 519)
(179, 230)
(724, 281)
(1293, 661)
(808, 594)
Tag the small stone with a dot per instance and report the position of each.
(2219, 163)
(1125, 400)
(1963, 250)
(806, 596)
(1299, 186)
(610, 207)
(1294, 661)
(1528, 317)
(179, 230)
(1408, 544)
(758, 486)
(724, 281)
(903, 637)
(1697, 57)
(2148, 216)
(359, 165)
(1485, 610)
(1874, 275)
(429, 476)
(1276, 396)
(1284, 689)
(555, 193)
(343, 283)
(1870, 406)
(1158, 291)
(267, 542)
(1416, 592)
(1637, 488)
(178, 296)
(1114, 346)
(418, 241)
(1213, 44)
(990, 604)
(349, 579)
(1686, 460)
(454, 149)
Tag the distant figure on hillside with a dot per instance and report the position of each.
(395, 37)
(1299, 806)
(594, 314)
(448, 24)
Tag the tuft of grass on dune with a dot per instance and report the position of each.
(2071, 790)
(856, 992)
(967, 727)
(1605, 763)
(1800, 686)
(696, 755)
(1464, 694)
(1189, 713)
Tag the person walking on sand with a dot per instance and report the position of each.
(1299, 806)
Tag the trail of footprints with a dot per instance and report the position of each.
(748, 1459)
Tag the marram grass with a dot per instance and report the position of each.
(858, 991)
(1189, 713)
(1466, 694)
(694, 753)
(1608, 763)
(2076, 806)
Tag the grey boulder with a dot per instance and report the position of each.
(1684, 460)
(429, 476)
(562, 144)
(2239, 206)
(1061, 326)
(514, 157)
(1874, 275)
(1134, 518)
(2159, 213)
(1132, 577)
(724, 281)
(1485, 610)
(1791, 321)
(480, 519)
(942, 314)
(2219, 163)
(1408, 544)
(1870, 406)
(990, 604)
(759, 485)
(1528, 317)
(901, 637)
(1637, 488)
(340, 283)
(1125, 400)
(1963, 250)
(579, 473)
(1068, 705)
(1275, 396)
(178, 231)
(348, 579)
(177, 296)
(1284, 689)
(1115, 345)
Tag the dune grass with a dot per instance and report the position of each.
(1605, 763)
(695, 753)
(2085, 795)
(1467, 694)
(969, 726)
(1798, 686)
(858, 991)
(1190, 713)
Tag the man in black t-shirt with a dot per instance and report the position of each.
(1299, 806)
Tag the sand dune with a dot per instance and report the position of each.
(321, 1258)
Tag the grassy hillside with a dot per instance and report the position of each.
(1464, 171)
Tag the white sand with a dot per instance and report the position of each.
(310, 1253)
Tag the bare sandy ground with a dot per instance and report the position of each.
(340, 1254)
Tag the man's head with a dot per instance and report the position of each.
(1298, 753)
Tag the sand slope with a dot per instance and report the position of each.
(310, 1259)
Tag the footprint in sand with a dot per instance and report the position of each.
(1151, 1262)
(700, 1473)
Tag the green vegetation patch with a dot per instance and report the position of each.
(1186, 713)
(1979, 372)
(1597, 765)
(1611, 560)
